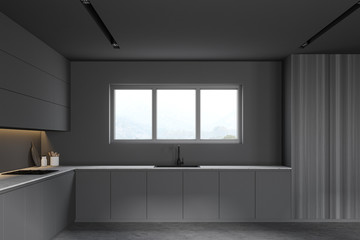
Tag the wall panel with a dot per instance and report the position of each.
(325, 135)
(261, 83)
(345, 137)
(310, 135)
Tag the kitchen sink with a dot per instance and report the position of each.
(29, 172)
(174, 166)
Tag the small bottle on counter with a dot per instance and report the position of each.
(43, 161)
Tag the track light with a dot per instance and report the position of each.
(89, 7)
(332, 24)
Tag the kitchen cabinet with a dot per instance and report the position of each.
(37, 211)
(201, 195)
(164, 195)
(1, 217)
(34, 202)
(182, 195)
(34, 82)
(14, 214)
(237, 195)
(58, 203)
(128, 195)
(273, 195)
(92, 195)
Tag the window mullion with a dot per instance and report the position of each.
(197, 109)
(154, 122)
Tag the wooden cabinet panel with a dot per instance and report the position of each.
(237, 195)
(273, 195)
(201, 195)
(128, 195)
(92, 195)
(164, 201)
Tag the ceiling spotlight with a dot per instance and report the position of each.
(332, 24)
(89, 7)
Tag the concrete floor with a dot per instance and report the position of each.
(211, 231)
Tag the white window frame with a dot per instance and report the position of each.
(196, 87)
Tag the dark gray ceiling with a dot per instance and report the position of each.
(188, 29)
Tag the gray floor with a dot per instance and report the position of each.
(221, 231)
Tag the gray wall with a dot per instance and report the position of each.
(88, 141)
(34, 81)
(15, 148)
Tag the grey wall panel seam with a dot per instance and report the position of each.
(110, 181)
(218, 194)
(34, 97)
(255, 205)
(146, 195)
(22, 60)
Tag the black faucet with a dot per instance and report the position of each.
(179, 161)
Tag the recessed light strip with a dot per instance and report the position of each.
(89, 7)
(332, 24)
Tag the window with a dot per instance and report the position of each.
(176, 113)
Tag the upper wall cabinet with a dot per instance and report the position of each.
(34, 82)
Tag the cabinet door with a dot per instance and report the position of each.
(58, 203)
(164, 201)
(237, 195)
(128, 195)
(92, 195)
(34, 224)
(273, 195)
(14, 214)
(201, 195)
(1, 217)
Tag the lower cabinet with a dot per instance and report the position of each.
(38, 211)
(201, 195)
(58, 203)
(128, 195)
(1, 217)
(237, 195)
(92, 196)
(164, 201)
(14, 214)
(273, 195)
(35, 212)
(182, 195)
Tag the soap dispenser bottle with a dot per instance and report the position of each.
(43, 161)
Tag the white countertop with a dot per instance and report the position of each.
(9, 182)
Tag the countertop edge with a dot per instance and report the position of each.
(13, 182)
